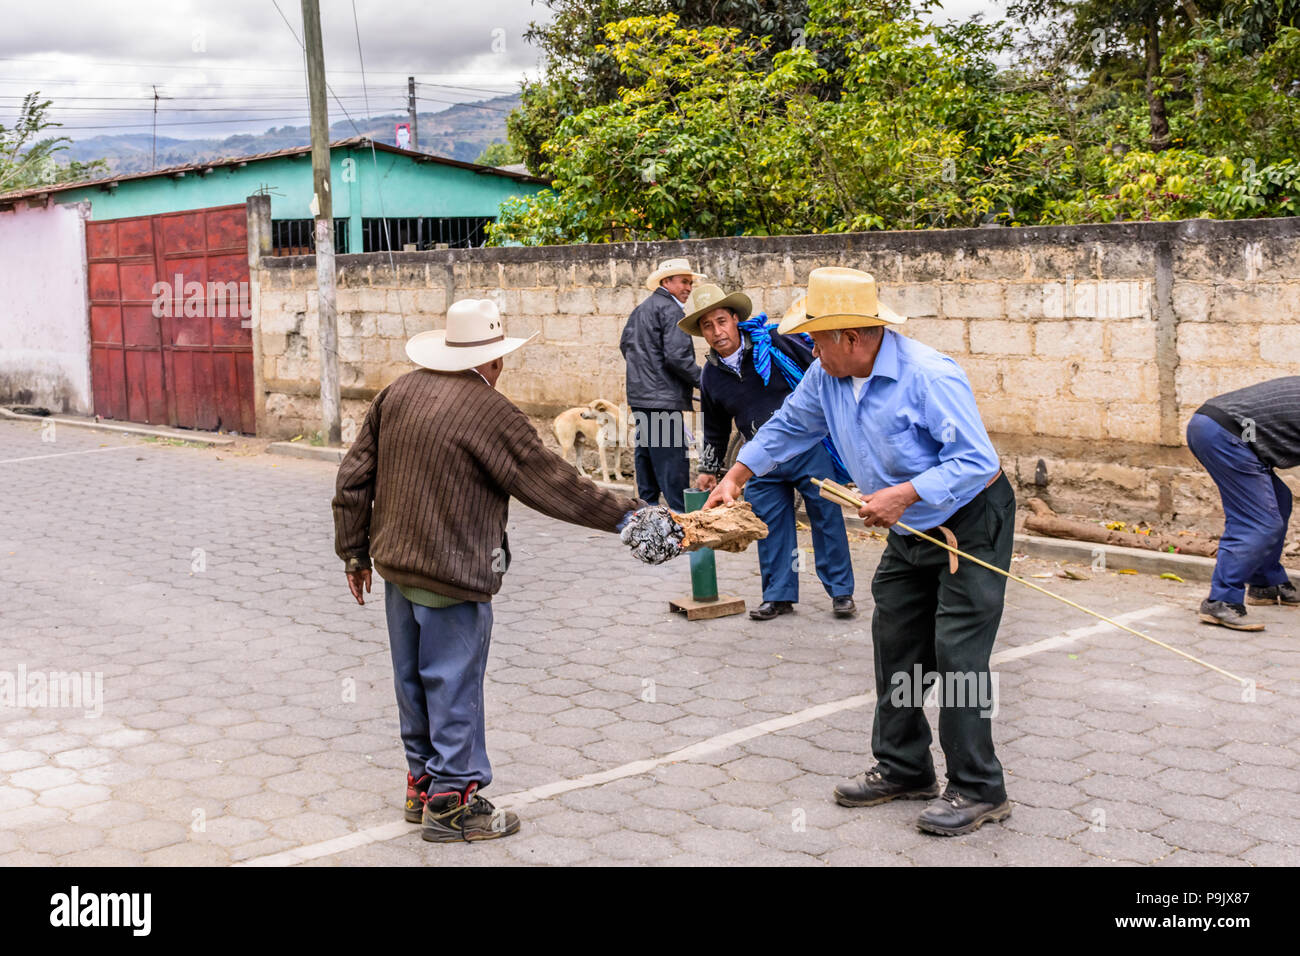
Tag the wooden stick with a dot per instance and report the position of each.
(838, 492)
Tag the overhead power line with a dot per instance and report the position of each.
(238, 69)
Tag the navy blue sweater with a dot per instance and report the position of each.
(727, 397)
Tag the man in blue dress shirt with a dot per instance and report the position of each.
(904, 419)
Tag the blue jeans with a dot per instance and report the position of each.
(1256, 510)
(660, 457)
(439, 659)
(772, 496)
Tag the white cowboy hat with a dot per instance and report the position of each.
(838, 298)
(705, 298)
(475, 335)
(671, 267)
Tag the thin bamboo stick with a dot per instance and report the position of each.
(838, 492)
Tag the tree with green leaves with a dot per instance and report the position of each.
(27, 160)
(580, 72)
(499, 154)
(878, 117)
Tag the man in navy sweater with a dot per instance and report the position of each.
(745, 381)
(1240, 438)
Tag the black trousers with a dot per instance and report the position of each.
(929, 622)
(661, 460)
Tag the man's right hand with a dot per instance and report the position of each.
(729, 487)
(356, 581)
(706, 482)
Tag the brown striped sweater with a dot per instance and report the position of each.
(439, 457)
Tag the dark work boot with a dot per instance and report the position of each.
(955, 813)
(844, 606)
(415, 791)
(1284, 594)
(870, 788)
(770, 609)
(1227, 615)
(453, 817)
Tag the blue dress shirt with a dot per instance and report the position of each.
(914, 420)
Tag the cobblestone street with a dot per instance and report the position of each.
(247, 711)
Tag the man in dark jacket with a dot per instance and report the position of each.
(1240, 437)
(746, 379)
(661, 377)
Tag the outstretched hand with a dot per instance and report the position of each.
(653, 535)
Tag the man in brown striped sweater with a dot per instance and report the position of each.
(423, 495)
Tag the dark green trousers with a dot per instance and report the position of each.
(929, 622)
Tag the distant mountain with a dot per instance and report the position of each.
(459, 132)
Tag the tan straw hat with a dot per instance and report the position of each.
(670, 267)
(838, 298)
(704, 299)
(475, 335)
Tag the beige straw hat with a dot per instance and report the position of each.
(670, 267)
(838, 298)
(475, 335)
(705, 298)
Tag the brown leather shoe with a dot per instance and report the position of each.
(955, 813)
(870, 788)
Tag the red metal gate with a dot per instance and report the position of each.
(167, 338)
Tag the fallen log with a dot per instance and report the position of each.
(1047, 522)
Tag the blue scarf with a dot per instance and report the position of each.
(760, 335)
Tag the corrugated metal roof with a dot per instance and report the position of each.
(351, 141)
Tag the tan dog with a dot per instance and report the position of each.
(600, 423)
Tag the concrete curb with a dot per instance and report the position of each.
(1186, 566)
(295, 449)
(142, 431)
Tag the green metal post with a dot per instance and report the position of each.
(704, 573)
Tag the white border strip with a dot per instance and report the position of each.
(61, 454)
(522, 798)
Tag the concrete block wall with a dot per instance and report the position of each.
(1088, 347)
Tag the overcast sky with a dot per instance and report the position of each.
(234, 66)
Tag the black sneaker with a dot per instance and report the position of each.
(1284, 594)
(415, 792)
(870, 788)
(955, 813)
(770, 609)
(454, 817)
(1227, 615)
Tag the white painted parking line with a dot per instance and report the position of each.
(1069, 637)
(522, 798)
(61, 454)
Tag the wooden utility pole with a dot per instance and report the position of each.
(331, 426)
(415, 116)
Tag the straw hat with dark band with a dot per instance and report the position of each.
(475, 335)
(708, 297)
(838, 298)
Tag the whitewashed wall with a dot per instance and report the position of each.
(44, 329)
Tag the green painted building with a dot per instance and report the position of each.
(384, 197)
